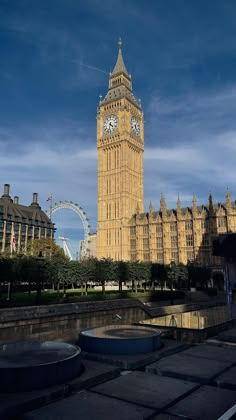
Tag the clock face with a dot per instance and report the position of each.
(135, 126)
(110, 124)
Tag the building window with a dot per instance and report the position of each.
(204, 258)
(160, 258)
(133, 231)
(145, 230)
(221, 222)
(189, 240)
(204, 225)
(159, 229)
(133, 257)
(189, 225)
(145, 243)
(190, 256)
(146, 256)
(133, 243)
(205, 240)
(173, 227)
(175, 256)
(173, 241)
(159, 243)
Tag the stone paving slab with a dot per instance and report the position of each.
(167, 416)
(212, 352)
(191, 368)
(206, 403)
(229, 335)
(227, 379)
(17, 403)
(137, 361)
(86, 405)
(151, 391)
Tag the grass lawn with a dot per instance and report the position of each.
(75, 295)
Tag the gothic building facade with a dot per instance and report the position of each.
(20, 224)
(124, 231)
(181, 235)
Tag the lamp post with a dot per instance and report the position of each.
(40, 262)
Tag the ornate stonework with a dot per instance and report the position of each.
(181, 234)
(120, 144)
(124, 231)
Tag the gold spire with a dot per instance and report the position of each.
(120, 65)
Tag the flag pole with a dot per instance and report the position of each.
(50, 212)
(50, 208)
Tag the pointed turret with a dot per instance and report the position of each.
(163, 204)
(178, 205)
(211, 205)
(120, 65)
(228, 201)
(120, 85)
(150, 208)
(194, 204)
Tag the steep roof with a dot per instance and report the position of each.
(120, 65)
(15, 212)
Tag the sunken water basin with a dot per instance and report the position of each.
(120, 339)
(29, 365)
(194, 326)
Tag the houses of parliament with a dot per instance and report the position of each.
(124, 230)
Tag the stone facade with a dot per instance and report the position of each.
(21, 224)
(120, 144)
(181, 234)
(124, 231)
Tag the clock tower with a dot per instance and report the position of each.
(120, 145)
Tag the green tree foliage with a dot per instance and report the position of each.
(45, 247)
(122, 275)
(198, 276)
(106, 270)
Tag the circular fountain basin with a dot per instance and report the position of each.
(120, 339)
(29, 365)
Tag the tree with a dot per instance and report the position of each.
(88, 269)
(134, 274)
(182, 276)
(144, 269)
(105, 271)
(46, 247)
(122, 273)
(7, 274)
(172, 274)
(198, 275)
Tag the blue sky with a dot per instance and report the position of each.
(55, 60)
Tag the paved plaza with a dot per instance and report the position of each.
(178, 381)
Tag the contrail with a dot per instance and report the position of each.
(93, 68)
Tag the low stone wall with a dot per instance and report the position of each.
(65, 321)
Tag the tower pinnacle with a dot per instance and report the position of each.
(120, 65)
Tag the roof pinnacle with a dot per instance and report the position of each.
(120, 65)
